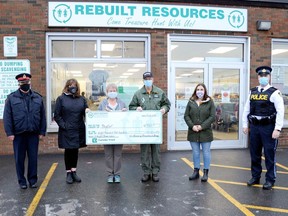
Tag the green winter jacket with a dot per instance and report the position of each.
(156, 100)
(203, 115)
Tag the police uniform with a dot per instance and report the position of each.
(24, 120)
(264, 111)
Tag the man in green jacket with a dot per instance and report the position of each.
(150, 97)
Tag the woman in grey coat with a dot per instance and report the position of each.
(70, 114)
(113, 153)
(199, 115)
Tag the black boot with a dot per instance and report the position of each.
(75, 177)
(69, 178)
(205, 175)
(195, 174)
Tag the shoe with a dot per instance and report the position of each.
(268, 185)
(195, 174)
(75, 177)
(69, 178)
(253, 181)
(205, 175)
(23, 186)
(145, 178)
(117, 179)
(110, 179)
(155, 178)
(33, 185)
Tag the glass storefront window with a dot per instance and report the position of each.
(121, 62)
(279, 74)
(112, 49)
(206, 52)
(62, 49)
(134, 49)
(85, 49)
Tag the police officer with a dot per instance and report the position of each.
(25, 123)
(150, 97)
(264, 110)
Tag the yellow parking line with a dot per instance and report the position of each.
(266, 208)
(277, 164)
(229, 167)
(240, 183)
(37, 197)
(223, 192)
(248, 169)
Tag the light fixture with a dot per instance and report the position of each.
(263, 25)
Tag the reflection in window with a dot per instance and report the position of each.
(134, 49)
(225, 94)
(85, 49)
(93, 79)
(95, 67)
(206, 52)
(112, 49)
(279, 74)
(62, 49)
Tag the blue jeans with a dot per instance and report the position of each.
(196, 154)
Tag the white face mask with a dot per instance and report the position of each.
(200, 94)
(112, 95)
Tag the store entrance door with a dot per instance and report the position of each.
(225, 84)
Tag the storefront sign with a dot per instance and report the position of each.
(130, 127)
(8, 70)
(10, 46)
(157, 16)
(180, 111)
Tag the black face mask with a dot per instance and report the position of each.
(73, 89)
(25, 87)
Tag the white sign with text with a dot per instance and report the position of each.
(128, 127)
(153, 16)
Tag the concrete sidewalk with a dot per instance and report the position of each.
(225, 193)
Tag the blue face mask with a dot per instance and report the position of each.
(148, 83)
(112, 95)
(263, 81)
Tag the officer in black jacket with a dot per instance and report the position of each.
(25, 123)
(264, 110)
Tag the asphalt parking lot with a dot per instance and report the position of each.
(225, 193)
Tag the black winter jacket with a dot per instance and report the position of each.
(19, 118)
(69, 114)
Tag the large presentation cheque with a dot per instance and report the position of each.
(130, 127)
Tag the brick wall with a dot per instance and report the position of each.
(28, 21)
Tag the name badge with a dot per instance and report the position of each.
(156, 96)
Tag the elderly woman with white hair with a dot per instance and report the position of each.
(113, 153)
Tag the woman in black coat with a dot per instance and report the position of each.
(69, 114)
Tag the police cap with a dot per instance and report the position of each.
(263, 70)
(23, 76)
(147, 74)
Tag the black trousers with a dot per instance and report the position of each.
(71, 158)
(261, 137)
(26, 144)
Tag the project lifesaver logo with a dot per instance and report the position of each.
(62, 13)
(236, 19)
